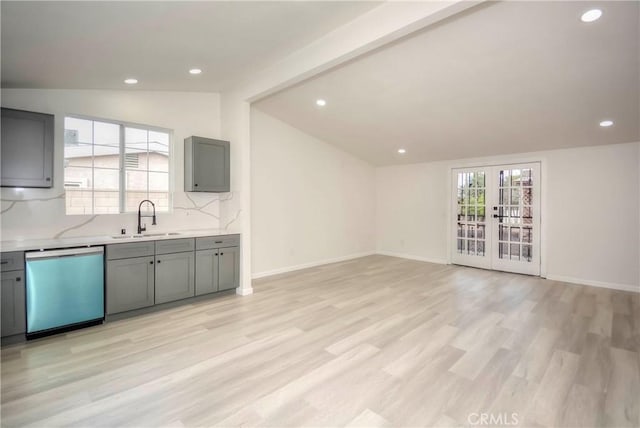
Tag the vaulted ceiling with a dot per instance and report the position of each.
(98, 44)
(503, 77)
(500, 77)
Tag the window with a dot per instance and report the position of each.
(110, 167)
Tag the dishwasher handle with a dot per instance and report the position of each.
(68, 252)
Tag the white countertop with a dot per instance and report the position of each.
(43, 244)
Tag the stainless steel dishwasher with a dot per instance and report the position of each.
(65, 290)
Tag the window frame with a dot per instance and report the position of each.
(122, 208)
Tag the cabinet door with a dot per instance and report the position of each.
(228, 268)
(206, 271)
(210, 165)
(14, 317)
(27, 149)
(175, 276)
(130, 284)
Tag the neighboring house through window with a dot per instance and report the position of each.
(109, 167)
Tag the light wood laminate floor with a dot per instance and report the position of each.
(377, 341)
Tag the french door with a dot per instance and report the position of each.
(496, 217)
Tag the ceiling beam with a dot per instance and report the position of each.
(382, 25)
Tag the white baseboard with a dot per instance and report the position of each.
(244, 291)
(560, 278)
(310, 264)
(611, 285)
(412, 257)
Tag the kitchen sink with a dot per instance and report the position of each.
(146, 235)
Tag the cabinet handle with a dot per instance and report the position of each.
(158, 261)
(4, 262)
(151, 262)
(216, 254)
(48, 179)
(195, 185)
(222, 254)
(218, 242)
(18, 279)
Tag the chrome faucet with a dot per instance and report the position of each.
(153, 223)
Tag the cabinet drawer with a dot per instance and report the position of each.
(209, 242)
(12, 261)
(132, 249)
(175, 246)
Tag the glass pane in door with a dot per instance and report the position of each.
(471, 212)
(514, 214)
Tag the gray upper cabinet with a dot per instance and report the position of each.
(175, 276)
(206, 165)
(130, 284)
(27, 149)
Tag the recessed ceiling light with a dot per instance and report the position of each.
(591, 15)
(130, 81)
(195, 71)
(321, 103)
(606, 123)
(402, 151)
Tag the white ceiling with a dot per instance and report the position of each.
(505, 77)
(96, 45)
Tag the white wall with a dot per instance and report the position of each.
(411, 211)
(236, 212)
(40, 213)
(592, 212)
(598, 241)
(310, 202)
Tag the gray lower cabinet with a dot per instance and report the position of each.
(141, 274)
(206, 272)
(13, 308)
(228, 268)
(175, 276)
(217, 270)
(130, 284)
